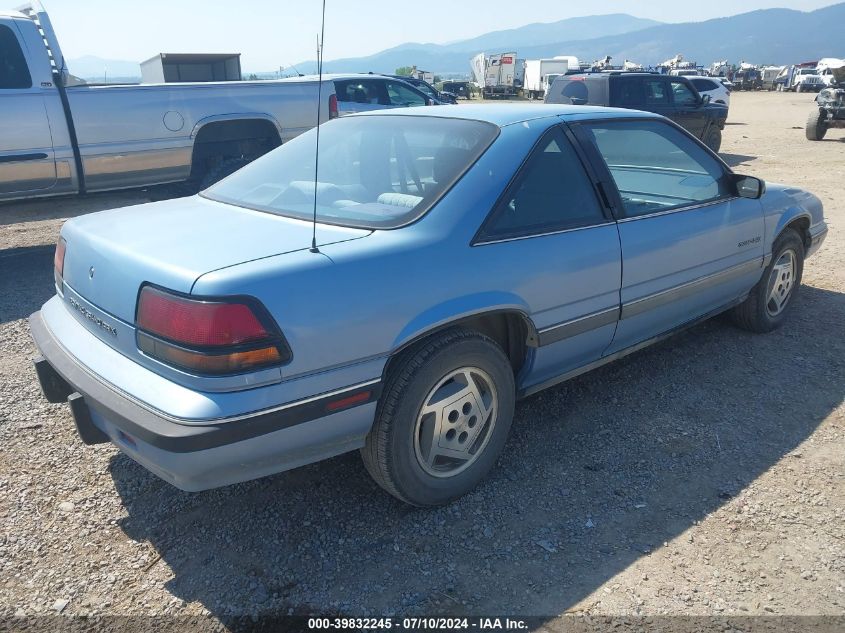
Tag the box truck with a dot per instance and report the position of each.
(540, 74)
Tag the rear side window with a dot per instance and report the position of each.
(14, 73)
(366, 91)
(578, 90)
(551, 192)
(628, 93)
(656, 167)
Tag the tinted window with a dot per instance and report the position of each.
(628, 92)
(366, 91)
(14, 73)
(703, 85)
(682, 94)
(374, 171)
(656, 92)
(552, 192)
(579, 90)
(657, 167)
(402, 95)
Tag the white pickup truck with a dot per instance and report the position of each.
(57, 138)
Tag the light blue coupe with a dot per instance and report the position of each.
(465, 257)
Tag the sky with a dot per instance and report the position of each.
(270, 34)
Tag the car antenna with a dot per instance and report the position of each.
(320, 43)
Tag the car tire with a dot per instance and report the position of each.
(224, 168)
(443, 418)
(713, 138)
(798, 88)
(816, 126)
(769, 301)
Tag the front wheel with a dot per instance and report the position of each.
(816, 126)
(713, 138)
(442, 420)
(767, 304)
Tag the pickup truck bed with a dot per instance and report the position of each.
(58, 139)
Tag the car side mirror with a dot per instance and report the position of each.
(429, 102)
(749, 187)
(705, 99)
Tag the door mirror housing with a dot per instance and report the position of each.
(705, 99)
(749, 187)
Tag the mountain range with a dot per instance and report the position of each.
(767, 36)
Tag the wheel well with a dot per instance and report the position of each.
(510, 329)
(802, 227)
(221, 140)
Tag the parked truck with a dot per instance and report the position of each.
(497, 76)
(829, 111)
(540, 74)
(800, 78)
(58, 138)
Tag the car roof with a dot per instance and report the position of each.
(502, 115)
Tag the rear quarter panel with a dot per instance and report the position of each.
(360, 300)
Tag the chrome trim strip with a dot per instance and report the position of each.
(567, 329)
(604, 360)
(690, 207)
(650, 302)
(533, 235)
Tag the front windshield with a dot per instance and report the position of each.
(374, 171)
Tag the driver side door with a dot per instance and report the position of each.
(690, 245)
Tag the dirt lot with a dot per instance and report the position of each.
(702, 476)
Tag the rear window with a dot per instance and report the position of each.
(14, 73)
(374, 171)
(578, 90)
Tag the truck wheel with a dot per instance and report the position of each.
(798, 88)
(442, 420)
(767, 304)
(224, 168)
(713, 138)
(816, 125)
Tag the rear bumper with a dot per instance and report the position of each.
(201, 456)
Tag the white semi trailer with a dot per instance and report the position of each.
(540, 74)
(496, 75)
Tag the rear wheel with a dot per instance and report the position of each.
(816, 126)
(713, 138)
(443, 419)
(767, 304)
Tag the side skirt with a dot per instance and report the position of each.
(530, 391)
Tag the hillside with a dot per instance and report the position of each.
(771, 36)
(453, 57)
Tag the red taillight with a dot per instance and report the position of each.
(333, 112)
(197, 323)
(209, 336)
(59, 261)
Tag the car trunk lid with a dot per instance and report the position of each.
(112, 253)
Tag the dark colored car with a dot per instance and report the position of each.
(442, 98)
(673, 97)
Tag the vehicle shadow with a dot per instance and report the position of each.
(733, 160)
(26, 281)
(598, 473)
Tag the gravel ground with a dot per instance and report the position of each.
(700, 476)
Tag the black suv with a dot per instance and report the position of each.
(673, 97)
